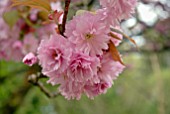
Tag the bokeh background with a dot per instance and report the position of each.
(143, 88)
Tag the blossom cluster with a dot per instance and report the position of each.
(82, 60)
(80, 63)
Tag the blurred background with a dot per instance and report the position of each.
(143, 88)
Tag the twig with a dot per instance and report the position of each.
(46, 91)
(62, 26)
(34, 79)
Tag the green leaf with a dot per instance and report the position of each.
(11, 17)
(80, 12)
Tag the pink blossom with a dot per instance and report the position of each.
(17, 44)
(88, 34)
(123, 8)
(117, 69)
(96, 89)
(54, 55)
(15, 53)
(30, 43)
(108, 17)
(57, 16)
(82, 67)
(6, 32)
(11, 49)
(74, 83)
(33, 14)
(3, 6)
(109, 69)
(30, 59)
(3, 29)
(107, 72)
(115, 10)
(57, 79)
(71, 89)
(46, 31)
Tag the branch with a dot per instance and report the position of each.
(62, 26)
(34, 79)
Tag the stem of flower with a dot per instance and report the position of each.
(62, 27)
(34, 79)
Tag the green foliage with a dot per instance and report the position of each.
(11, 17)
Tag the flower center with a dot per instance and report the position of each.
(54, 55)
(89, 36)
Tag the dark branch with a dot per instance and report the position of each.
(34, 79)
(46, 91)
(62, 26)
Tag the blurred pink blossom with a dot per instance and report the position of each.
(116, 10)
(30, 43)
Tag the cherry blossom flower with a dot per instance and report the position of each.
(109, 69)
(11, 49)
(114, 11)
(88, 34)
(95, 89)
(122, 8)
(82, 67)
(30, 43)
(71, 89)
(54, 55)
(46, 31)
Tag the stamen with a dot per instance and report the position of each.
(89, 36)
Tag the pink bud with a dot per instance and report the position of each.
(30, 59)
(50, 17)
(55, 15)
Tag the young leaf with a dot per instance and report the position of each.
(80, 12)
(114, 36)
(130, 39)
(11, 17)
(38, 4)
(124, 35)
(114, 52)
(43, 15)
